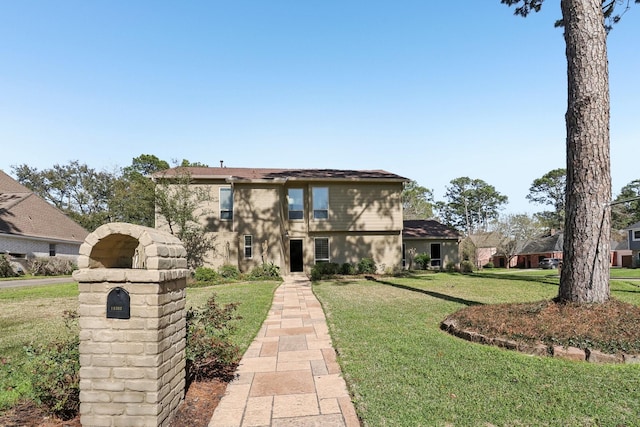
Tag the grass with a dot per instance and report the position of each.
(32, 314)
(404, 371)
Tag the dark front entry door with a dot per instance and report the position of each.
(295, 255)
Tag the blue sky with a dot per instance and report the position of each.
(428, 90)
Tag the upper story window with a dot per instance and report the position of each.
(226, 203)
(320, 196)
(636, 234)
(295, 196)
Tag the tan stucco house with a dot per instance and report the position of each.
(433, 238)
(298, 217)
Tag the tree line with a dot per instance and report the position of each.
(473, 205)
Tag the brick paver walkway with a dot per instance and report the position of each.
(289, 375)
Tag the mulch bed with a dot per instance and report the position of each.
(196, 410)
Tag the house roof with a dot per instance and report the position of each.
(240, 174)
(22, 213)
(427, 229)
(546, 244)
(633, 226)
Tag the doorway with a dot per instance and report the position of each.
(295, 256)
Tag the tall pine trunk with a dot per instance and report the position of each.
(585, 272)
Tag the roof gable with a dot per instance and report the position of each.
(427, 229)
(23, 213)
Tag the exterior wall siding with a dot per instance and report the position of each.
(360, 207)
(448, 250)
(32, 247)
(365, 220)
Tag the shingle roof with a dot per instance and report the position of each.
(25, 214)
(547, 244)
(427, 228)
(633, 226)
(280, 174)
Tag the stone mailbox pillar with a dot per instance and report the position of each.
(132, 326)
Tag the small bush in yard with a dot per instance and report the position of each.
(324, 269)
(423, 260)
(266, 271)
(229, 271)
(55, 371)
(366, 266)
(52, 266)
(450, 267)
(210, 354)
(466, 267)
(205, 274)
(348, 269)
(6, 270)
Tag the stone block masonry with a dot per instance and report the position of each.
(132, 370)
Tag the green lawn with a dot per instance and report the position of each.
(31, 314)
(404, 371)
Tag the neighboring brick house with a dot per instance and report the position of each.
(31, 227)
(298, 217)
(634, 242)
(431, 237)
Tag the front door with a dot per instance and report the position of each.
(295, 256)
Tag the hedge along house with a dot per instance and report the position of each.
(295, 218)
(437, 240)
(31, 227)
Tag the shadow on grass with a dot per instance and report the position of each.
(433, 294)
(547, 280)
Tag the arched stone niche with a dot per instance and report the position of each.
(132, 350)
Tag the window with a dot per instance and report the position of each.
(248, 246)
(435, 255)
(226, 203)
(320, 197)
(636, 234)
(322, 249)
(296, 203)
(52, 249)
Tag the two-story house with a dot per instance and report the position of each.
(297, 217)
(634, 243)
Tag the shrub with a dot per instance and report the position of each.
(489, 265)
(51, 266)
(466, 267)
(209, 352)
(6, 269)
(55, 372)
(366, 266)
(229, 271)
(324, 269)
(423, 260)
(205, 274)
(450, 267)
(266, 271)
(348, 269)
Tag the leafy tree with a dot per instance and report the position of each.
(179, 207)
(417, 201)
(550, 189)
(78, 190)
(626, 207)
(471, 204)
(585, 275)
(133, 196)
(515, 231)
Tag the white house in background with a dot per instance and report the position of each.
(31, 227)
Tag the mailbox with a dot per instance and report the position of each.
(118, 304)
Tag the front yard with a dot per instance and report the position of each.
(404, 371)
